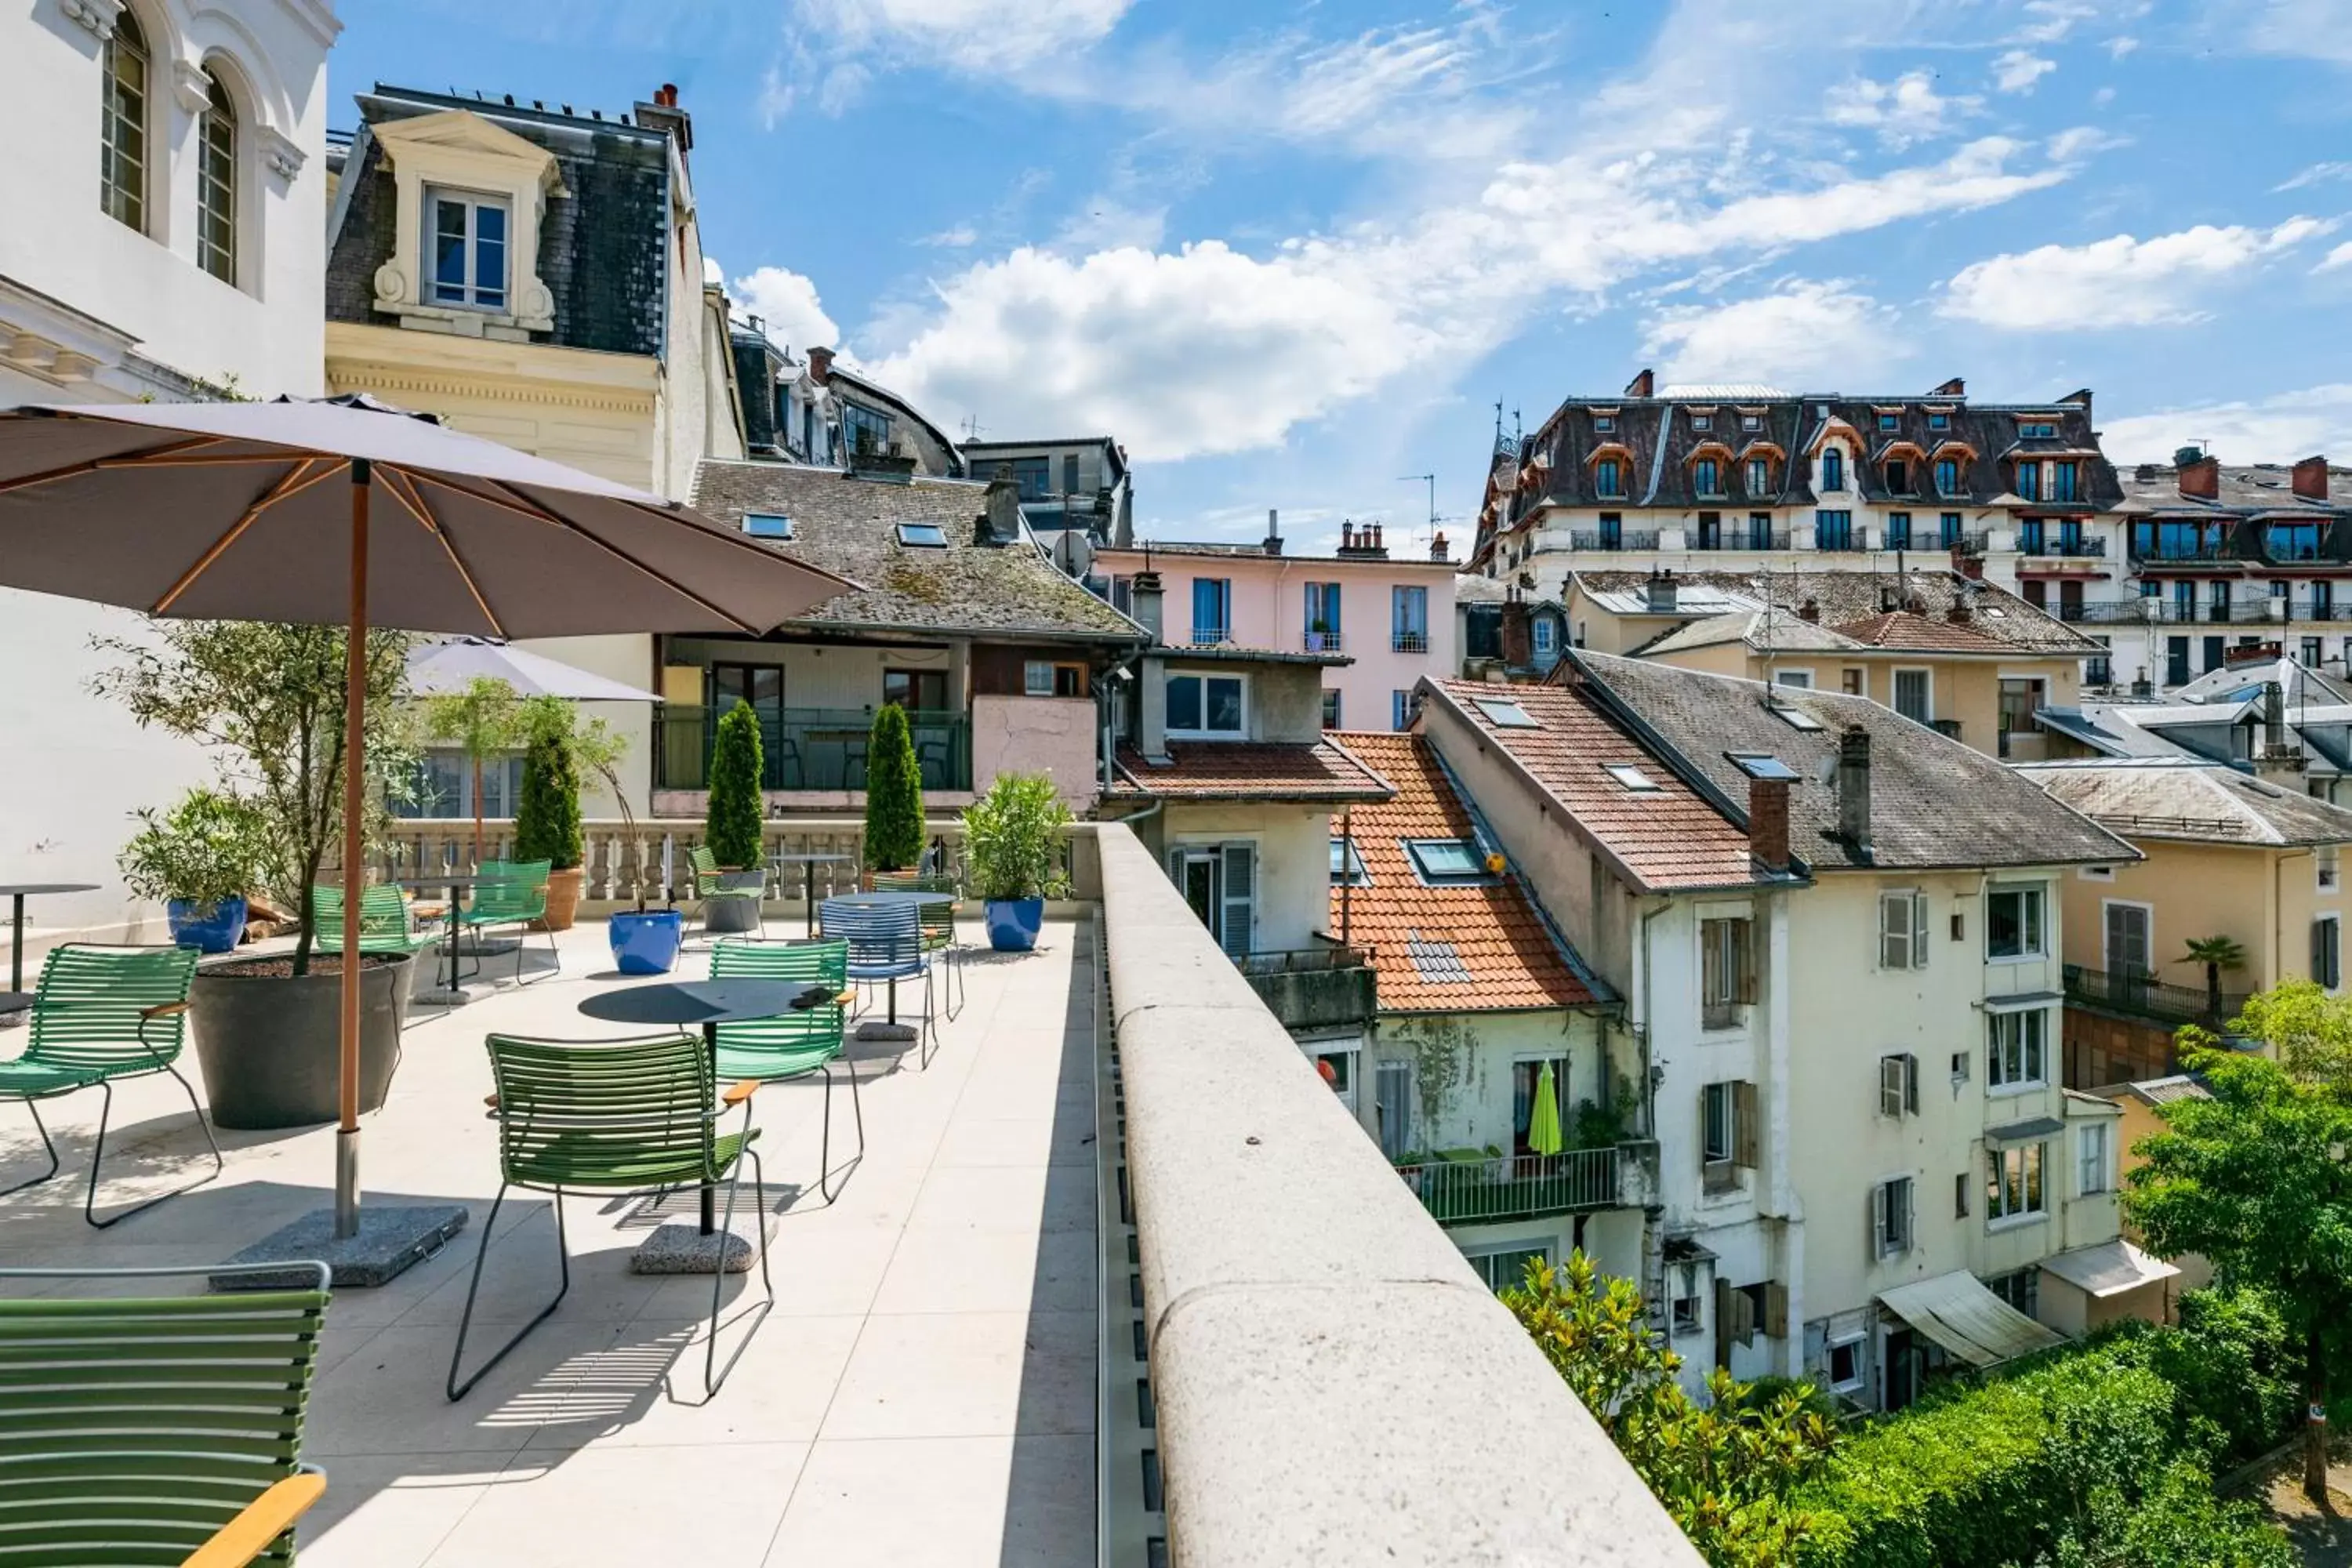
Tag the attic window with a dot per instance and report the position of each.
(1445, 860)
(1762, 765)
(767, 525)
(1940, 421)
(1604, 423)
(923, 535)
(1890, 422)
(1751, 422)
(1348, 864)
(1795, 718)
(1701, 421)
(1504, 715)
(2037, 432)
(1631, 778)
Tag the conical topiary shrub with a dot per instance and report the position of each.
(547, 814)
(732, 828)
(894, 793)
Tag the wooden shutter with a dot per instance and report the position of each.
(1910, 1082)
(1711, 987)
(1918, 931)
(1723, 1295)
(1743, 966)
(1878, 1211)
(1237, 917)
(1743, 1316)
(1743, 1125)
(1776, 1309)
(1893, 932)
(1702, 1160)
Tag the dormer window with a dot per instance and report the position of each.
(1701, 421)
(2062, 481)
(2028, 482)
(1947, 477)
(1707, 478)
(1832, 469)
(2037, 432)
(1606, 478)
(1940, 421)
(1890, 422)
(1751, 422)
(1898, 477)
(1604, 423)
(1759, 475)
(469, 249)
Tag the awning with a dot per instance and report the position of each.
(2109, 1268)
(2023, 1000)
(2029, 1131)
(1958, 1313)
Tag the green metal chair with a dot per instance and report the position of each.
(712, 880)
(158, 1431)
(613, 1116)
(937, 922)
(384, 923)
(795, 1043)
(103, 1013)
(511, 893)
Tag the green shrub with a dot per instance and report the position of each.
(732, 826)
(1013, 838)
(547, 813)
(2233, 1367)
(894, 793)
(210, 847)
(2176, 1522)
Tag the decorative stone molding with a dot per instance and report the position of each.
(71, 366)
(29, 350)
(191, 86)
(461, 150)
(391, 284)
(97, 17)
(280, 154)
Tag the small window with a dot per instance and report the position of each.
(1890, 422)
(1891, 1216)
(1751, 422)
(2013, 923)
(2038, 432)
(469, 249)
(1727, 972)
(1898, 1085)
(1759, 477)
(1761, 765)
(1718, 1112)
(2092, 1169)
(2016, 1052)
(1504, 715)
(923, 535)
(1795, 718)
(1914, 695)
(2329, 873)
(1853, 681)
(1631, 778)
(1331, 708)
(1903, 930)
(1834, 469)
(1400, 711)
(1960, 1195)
(1442, 860)
(216, 183)
(1348, 864)
(1701, 421)
(1547, 634)
(1037, 677)
(1604, 423)
(1604, 478)
(767, 525)
(1208, 707)
(1842, 1363)
(1687, 1315)
(2097, 873)
(2014, 1183)
(1940, 421)
(2327, 952)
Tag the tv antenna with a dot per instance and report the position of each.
(972, 427)
(1429, 480)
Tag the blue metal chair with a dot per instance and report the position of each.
(885, 943)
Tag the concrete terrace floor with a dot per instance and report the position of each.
(923, 1393)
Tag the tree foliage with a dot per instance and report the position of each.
(266, 700)
(483, 722)
(210, 847)
(547, 815)
(1013, 838)
(732, 827)
(894, 793)
(2308, 1026)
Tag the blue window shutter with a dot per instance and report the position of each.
(1239, 900)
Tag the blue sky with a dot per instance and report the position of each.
(1286, 253)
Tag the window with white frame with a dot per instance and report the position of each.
(469, 249)
(1399, 710)
(2013, 923)
(1547, 632)
(1348, 863)
(1903, 930)
(1842, 1361)
(1891, 1216)
(1338, 1070)
(2325, 855)
(2014, 1183)
(1727, 971)
(1220, 882)
(1914, 695)
(1393, 1107)
(123, 66)
(2019, 1289)
(1898, 1085)
(1802, 679)
(1506, 1270)
(1208, 707)
(2094, 1166)
(216, 183)
(2017, 1049)
(1688, 1314)
(1717, 1114)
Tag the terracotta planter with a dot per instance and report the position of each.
(563, 897)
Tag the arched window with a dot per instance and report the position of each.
(1832, 469)
(1759, 477)
(123, 128)
(216, 184)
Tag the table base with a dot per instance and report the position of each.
(684, 1249)
(875, 1030)
(391, 1240)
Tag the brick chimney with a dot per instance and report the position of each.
(1361, 544)
(1767, 823)
(664, 114)
(1854, 788)
(1643, 385)
(1970, 566)
(1437, 550)
(820, 366)
(2310, 479)
(1956, 612)
(1810, 610)
(2200, 473)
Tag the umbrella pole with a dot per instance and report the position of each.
(347, 1130)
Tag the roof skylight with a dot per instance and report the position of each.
(1504, 715)
(1441, 860)
(1795, 718)
(767, 525)
(1631, 778)
(1761, 765)
(923, 535)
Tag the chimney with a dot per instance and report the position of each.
(1002, 518)
(2200, 473)
(1954, 387)
(664, 114)
(1518, 637)
(1661, 592)
(1767, 823)
(1361, 544)
(1437, 551)
(2081, 394)
(1810, 610)
(1972, 566)
(1273, 531)
(1643, 384)
(1854, 788)
(2310, 479)
(2282, 756)
(1956, 612)
(820, 366)
(1144, 593)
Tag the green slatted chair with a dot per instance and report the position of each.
(795, 1043)
(171, 1428)
(384, 925)
(613, 1116)
(937, 922)
(103, 1013)
(713, 880)
(511, 893)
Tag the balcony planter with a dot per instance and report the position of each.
(217, 929)
(646, 941)
(1013, 924)
(266, 1036)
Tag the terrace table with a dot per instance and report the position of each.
(809, 864)
(19, 893)
(455, 882)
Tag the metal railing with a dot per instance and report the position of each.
(2162, 554)
(1409, 642)
(1731, 538)
(2160, 611)
(1624, 539)
(1319, 642)
(1208, 636)
(1513, 1186)
(2146, 997)
(809, 748)
(2074, 548)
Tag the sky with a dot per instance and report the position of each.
(1289, 253)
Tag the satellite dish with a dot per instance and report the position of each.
(1074, 553)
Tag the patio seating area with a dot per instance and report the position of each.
(924, 1390)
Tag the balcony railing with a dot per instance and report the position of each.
(1739, 539)
(1408, 641)
(1208, 636)
(2146, 997)
(1624, 539)
(2157, 611)
(1319, 642)
(2071, 548)
(2189, 554)
(1508, 1187)
(810, 748)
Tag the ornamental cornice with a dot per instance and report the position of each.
(372, 378)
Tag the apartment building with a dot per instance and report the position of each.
(1838, 935)
(1507, 629)
(1079, 485)
(1391, 617)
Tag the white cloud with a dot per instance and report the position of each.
(2018, 69)
(959, 236)
(2299, 29)
(2079, 142)
(2318, 174)
(2281, 428)
(2341, 257)
(1802, 333)
(969, 35)
(2115, 282)
(1901, 112)
(2121, 45)
(787, 304)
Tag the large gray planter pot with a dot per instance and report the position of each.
(268, 1044)
(736, 911)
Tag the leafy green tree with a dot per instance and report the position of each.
(894, 793)
(1723, 1469)
(2256, 1179)
(732, 827)
(2176, 1521)
(484, 721)
(547, 816)
(2216, 954)
(2309, 1028)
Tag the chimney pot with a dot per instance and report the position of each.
(1854, 788)
(820, 366)
(1661, 592)
(1144, 594)
(1810, 610)
(2200, 474)
(2310, 480)
(1767, 823)
(1437, 550)
(1273, 531)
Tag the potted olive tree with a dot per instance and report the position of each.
(547, 809)
(198, 861)
(268, 700)
(1013, 853)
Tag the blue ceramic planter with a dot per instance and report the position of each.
(646, 944)
(219, 930)
(1013, 924)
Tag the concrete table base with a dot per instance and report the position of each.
(874, 1029)
(390, 1241)
(684, 1249)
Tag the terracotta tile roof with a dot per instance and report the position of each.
(1904, 629)
(1475, 949)
(1250, 770)
(1670, 837)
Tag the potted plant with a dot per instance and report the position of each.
(894, 793)
(643, 942)
(1013, 853)
(267, 700)
(732, 831)
(198, 859)
(547, 810)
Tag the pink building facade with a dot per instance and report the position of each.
(1392, 617)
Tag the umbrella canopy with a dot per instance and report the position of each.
(449, 668)
(1543, 1119)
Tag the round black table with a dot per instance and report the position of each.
(704, 1005)
(20, 892)
(884, 899)
(456, 883)
(808, 890)
(14, 1002)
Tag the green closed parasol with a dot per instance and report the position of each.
(1543, 1121)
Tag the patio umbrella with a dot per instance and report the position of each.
(449, 668)
(262, 511)
(1543, 1120)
